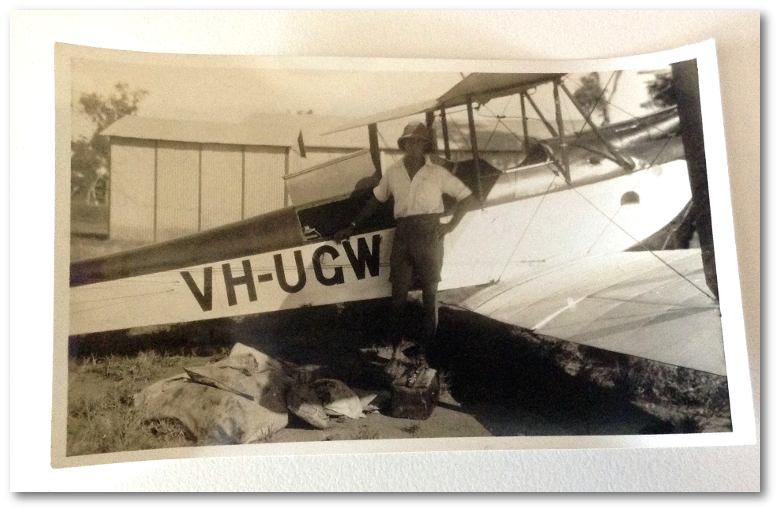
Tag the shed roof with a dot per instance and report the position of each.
(184, 131)
(256, 130)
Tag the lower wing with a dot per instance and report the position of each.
(650, 305)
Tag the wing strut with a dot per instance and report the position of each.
(445, 134)
(525, 123)
(619, 159)
(474, 149)
(373, 144)
(549, 128)
(541, 116)
(561, 134)
(430, 117)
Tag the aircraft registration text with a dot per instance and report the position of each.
(316, 274)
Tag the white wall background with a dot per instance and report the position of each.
(455, 35)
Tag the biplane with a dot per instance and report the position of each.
(545, 249)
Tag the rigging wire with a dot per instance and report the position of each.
(565, 105)
(528, 225)
(660, 152)
(499, 120)
(640, 243)
(595, 295)
(657, 156)
(619, 108)
(463, 138)
(546, 113)
(620, 207)
(633, 117)
(456, 143)
(596, 104)
(644, 175)
(386, 144)
(495, 127)
(611, 219)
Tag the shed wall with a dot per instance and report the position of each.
(178, 189)
(221, 185)
(264, 168)
(162, 190)
(131, 194)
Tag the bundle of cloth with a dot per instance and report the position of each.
(246, 397)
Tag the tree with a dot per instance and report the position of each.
(90, 156)
(591, 97)
(660, 90)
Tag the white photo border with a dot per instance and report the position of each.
(728, 277)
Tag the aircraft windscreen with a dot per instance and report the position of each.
(323, 220)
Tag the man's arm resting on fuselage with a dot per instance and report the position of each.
(461, 208)
(371, 206)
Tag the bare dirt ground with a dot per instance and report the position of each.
(498, 380)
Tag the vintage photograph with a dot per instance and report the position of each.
(269, 253)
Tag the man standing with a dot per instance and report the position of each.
(416, 185)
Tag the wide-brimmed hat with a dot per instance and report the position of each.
(415, 130)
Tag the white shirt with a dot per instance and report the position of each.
(423, 194)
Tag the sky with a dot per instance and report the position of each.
(230, 94)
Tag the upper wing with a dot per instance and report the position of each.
(479, 87)
(482, 87)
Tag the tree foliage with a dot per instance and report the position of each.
(589, 95)
(593, 98)
(660, 90)
(90, 156)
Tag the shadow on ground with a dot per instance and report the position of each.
(512, 381)
(513, 386)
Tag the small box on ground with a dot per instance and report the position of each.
(414, 396)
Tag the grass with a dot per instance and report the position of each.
(110, 424)
(101, 416)
(491, 362)
(87, 219)
(492, 369)
(690, 400)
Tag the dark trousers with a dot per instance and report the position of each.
(416, 256)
